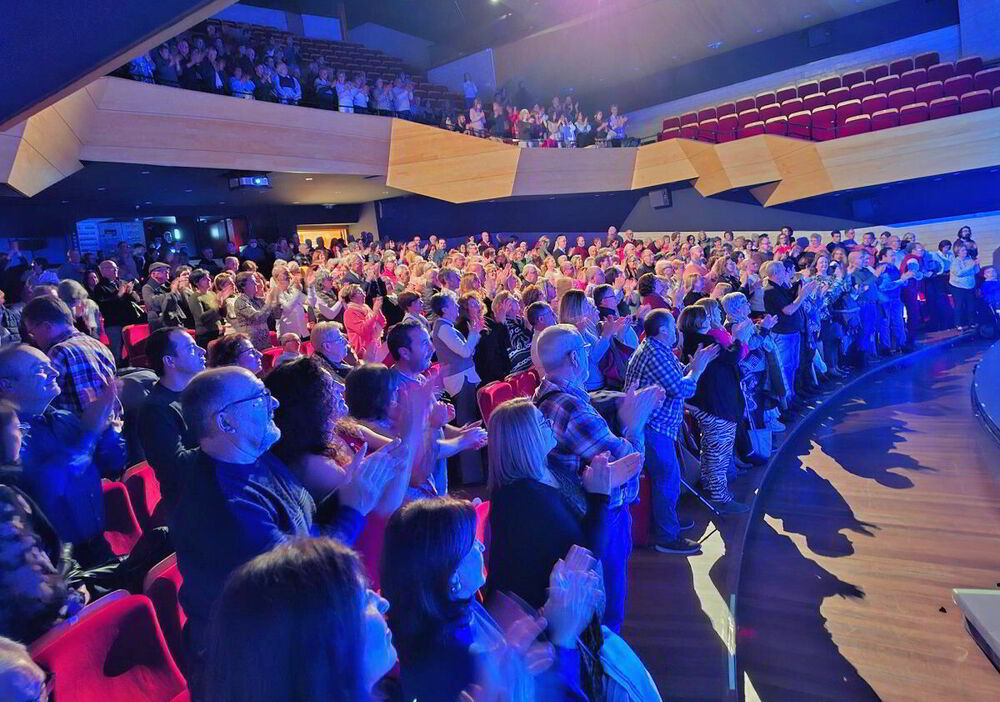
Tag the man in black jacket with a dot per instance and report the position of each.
(118, 302)
(162, 304)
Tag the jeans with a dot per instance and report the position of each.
(665, 475)
(965, 305)
(617, 549)
(788, 352)
(869, 322)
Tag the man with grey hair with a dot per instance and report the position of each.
(582, 434)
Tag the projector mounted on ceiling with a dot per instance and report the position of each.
(259, 180)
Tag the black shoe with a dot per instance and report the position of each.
(754, 460)
(686, 524)
(731, 507)
(680, 545)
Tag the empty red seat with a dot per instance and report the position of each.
(776, 125)
(785, 94)
(728, 125)
(269, 357)
(837, 95)
(121, 528)
(144, 493)
(768, 111)
(886, 85)
(669, 134)
(707, 130)
(925, 60)
(689, 118)
(987, 79)
(161, 585)
(970, 65)
(976, 100)
(901, 66)
(958, 85)
(822, 123)
(744, 104)
(134, 344)
(726, 108)
(856, 125)
(874, 103)
(900, 98)
(308, 348)
(689, 131)
(800, 125)
(943, 107)
(496, 393)
(752, 129)
(116, 653)
(764, 99)
(706, 113)
(847, 109)
(811, 102)
(809, 88)
(792, 106)
(748, 116)
(861, 90)
(852, 77)
(941, 71)
(873, 73)
(524, 383)
(671, 123)
(910, 114)
(884, 119)
(911, 79)
(828, 84)
(926, 92)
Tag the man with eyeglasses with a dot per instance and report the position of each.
(63, 455)
(238, 499)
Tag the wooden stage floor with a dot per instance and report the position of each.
(888, 499)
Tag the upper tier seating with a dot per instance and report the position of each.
(886, 95)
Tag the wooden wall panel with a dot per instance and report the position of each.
(565, 171)
(662, 162)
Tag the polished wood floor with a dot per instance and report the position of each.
(887, 498)
(869, 521)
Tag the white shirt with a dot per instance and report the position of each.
(453, 340)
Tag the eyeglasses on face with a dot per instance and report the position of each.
(264, 394)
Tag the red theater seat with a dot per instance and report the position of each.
(987, 79)
(689, 131)
(885, 119)
(828, 84)
(143, 492)
(671, 123)
(901, 98)
(837, 95)
(800, 125)
(977, 100)
(669, 134)
(752, 129)
(492, 395)
(269, 357)
(121, 528)
(483, 527)
(873, 73)
(786, 94)
(706, 113)
(524, 383)
(925, 60)
(134, 344)
(689, 118)
(940, 71)
(727, 128)
(114, 654)
(162, 585)
(792, 106)
(856, 125)
(822, 123)
(777, 125)
(874, 103)
(925, 92)
(859, 91)
(911, 79)
(851, 78)
(847, 109)
(911, 114)
(744, 104)
(809, 88)
(886, 85)
(764, 99)
(969, 65)
(958, 85)
(768, 111)
(726, 108)
(811, 102)
(308, 349)
(748, 116)
(708, 130)
(901, 66)
(943, 107)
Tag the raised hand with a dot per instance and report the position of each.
(472, 438)
(596, 477)
(572, 599)
(369, 474)
(624, 469)
(97, 415)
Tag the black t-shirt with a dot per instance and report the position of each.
(776, 298)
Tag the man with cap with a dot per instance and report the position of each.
(162, 304)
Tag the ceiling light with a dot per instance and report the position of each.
(806, 16)
(189, 190)
(222, 202)
(103, 188)
(149, 202)
(64, 201)
(308, 178)
(715, 45)
(144, 172)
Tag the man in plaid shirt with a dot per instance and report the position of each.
(582, 434)
(654, 364)
(85, 365)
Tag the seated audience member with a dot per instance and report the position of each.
(21, 680)
(654, 363)
(234, 350)
(84, 365)
(63, 455)
(86, 313)
(331, 348)
(250, 312)
(539, 316)
(176, 359)
(291, 346)
(432, 568)
(300, 615)
(581, 434)
(717, 404)
(162, 303)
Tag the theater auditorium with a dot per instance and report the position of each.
(500, 351)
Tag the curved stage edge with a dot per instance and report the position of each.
(986, 390)
(682, 612)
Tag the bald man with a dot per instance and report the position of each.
(118, 302)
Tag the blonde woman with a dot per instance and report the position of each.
(576, 308)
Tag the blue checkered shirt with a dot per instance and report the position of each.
(85, 367)
(655, 364)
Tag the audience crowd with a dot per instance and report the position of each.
(678, 357)
(224, 60)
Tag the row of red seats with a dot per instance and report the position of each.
(494, 394)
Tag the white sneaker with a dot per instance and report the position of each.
(776, 426)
